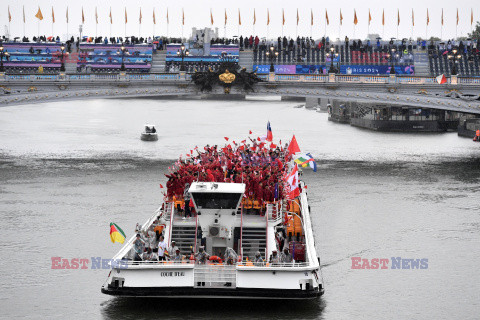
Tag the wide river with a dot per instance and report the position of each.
(69, 169)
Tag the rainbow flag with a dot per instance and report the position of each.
(305, 160)
(116, 233)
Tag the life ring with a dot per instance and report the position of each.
(216, 259)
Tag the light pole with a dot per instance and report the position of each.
(123, 50)
(332, 54)
(62, 67)
(2, 55)
(392, 56)
(272, 55)
(182, 53)
(454, 58)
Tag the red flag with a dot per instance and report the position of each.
(226, 138)
(273, 146)
(243, 141)
(250, 132)
(191, 151)
(188, 155)
(161, 187)
(293, 146)
(292, 183)
(441, 79)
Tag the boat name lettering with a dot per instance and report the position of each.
(172, 274)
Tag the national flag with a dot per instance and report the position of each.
(283, 17)
(83, 17)
(111, 18)
(398, 17)
(383, 17)
(298, 17)
(292, 183)
(250, 132)
(183, 17)
(272, 145)
(269, 132)
(116, 233)
(293, 146)
(458, 18)
(226, 138)
(369, 17)
(211, 17)
(268, 17)
(53, 16)
(254, 17)
(96, 16)
(65, 15)
(126, 18)
(161, 186)
(428, 17)
(413, 18)
(326, 17)
(226, 18)
(441, 79)
(140, 16)
(305, 160)
(341, 17)
(39, 14)
(239, 18)
(355, 19)
(9, 15)
(154, 21)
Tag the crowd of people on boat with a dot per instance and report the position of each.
(150, 246)
(258, 164)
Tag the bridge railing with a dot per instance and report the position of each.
(315, 78)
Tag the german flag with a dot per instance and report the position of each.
(116, 233)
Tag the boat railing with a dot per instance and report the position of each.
(273, 211)
(274, 265)
(307, 225)
(208, 267)
(172, 213)
(128, 244)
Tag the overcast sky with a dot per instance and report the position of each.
(197, 14)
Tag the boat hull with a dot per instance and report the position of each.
(149, 137)
(222, 293)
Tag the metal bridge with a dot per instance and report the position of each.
(460, 94)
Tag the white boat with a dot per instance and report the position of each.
(149, 133)
(223, 219)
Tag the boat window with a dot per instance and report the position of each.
(213, 200)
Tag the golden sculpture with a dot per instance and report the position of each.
(227, 77)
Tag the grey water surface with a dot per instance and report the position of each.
(69, 169)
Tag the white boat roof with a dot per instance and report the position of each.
(149, 125)
(219, 187)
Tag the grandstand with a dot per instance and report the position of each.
(28, 57)
(201, 58)
(103, 58)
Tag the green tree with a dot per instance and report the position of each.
(476, 32)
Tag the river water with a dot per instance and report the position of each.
(69, 169)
